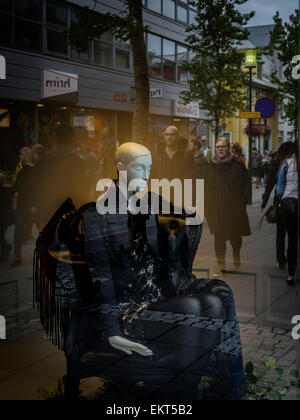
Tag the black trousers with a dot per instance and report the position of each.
(280, 242)
(288, 221)
(220, 247)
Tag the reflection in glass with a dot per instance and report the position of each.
(169, 60)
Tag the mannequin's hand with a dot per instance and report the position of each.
(128, 346)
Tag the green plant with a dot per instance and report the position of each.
(269, 382)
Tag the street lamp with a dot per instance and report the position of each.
(250, 63)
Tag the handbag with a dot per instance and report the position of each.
(273, 213)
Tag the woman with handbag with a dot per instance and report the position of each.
(274, 168)
(287, 191)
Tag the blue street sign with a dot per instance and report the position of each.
(266, 106)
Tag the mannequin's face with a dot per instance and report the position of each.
(138, 169)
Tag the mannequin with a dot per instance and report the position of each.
(135, 160)
(138, 313)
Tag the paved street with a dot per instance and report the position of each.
(265, 306)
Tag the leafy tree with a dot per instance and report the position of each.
(218, 80)
(127, 26)
(284, 39)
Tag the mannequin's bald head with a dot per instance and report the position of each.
(136, 161)
(130, 151)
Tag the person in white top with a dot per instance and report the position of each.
(287, 191)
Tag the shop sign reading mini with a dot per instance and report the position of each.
(59, 84)
(2, 67)
(190, 110)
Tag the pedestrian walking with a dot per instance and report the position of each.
(227, 192)
(22, 191)
(257, 167)
(200, 161)
(238, 153)
(287, 191)
(172, 159)
(206, 151)
(273, 173)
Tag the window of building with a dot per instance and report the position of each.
(6, 33)
(57, 41)
(154, 5)
(57, 14)
(182, 58)
(182, 14)
(6, 6)
(103, 50)
(30, 9)
(154, 55)
(179, 10)
(169, 60)
(169, 9)
(28, 35)
(122, 54)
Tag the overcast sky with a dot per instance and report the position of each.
(266, 9)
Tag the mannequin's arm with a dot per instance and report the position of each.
(128, 346)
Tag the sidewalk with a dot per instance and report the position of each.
(265, 306)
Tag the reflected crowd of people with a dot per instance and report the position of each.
(35, 182)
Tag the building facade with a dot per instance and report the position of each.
(49, 83)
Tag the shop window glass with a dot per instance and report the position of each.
(154, 55)
(169, 9)
(169, 62)
(6, 5)
(28, 35)
(30, 9)
(6, 30)
(103, 54)
(122, 59)
(57, 42)
(182, 14)
(182, 58)
(57, 14)
(154, 5)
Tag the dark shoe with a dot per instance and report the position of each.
(291, 282)
(16, 263)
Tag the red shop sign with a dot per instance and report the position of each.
(121, 97)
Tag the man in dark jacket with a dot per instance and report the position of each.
(227, 193)
(200, 160)
(173, 160)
